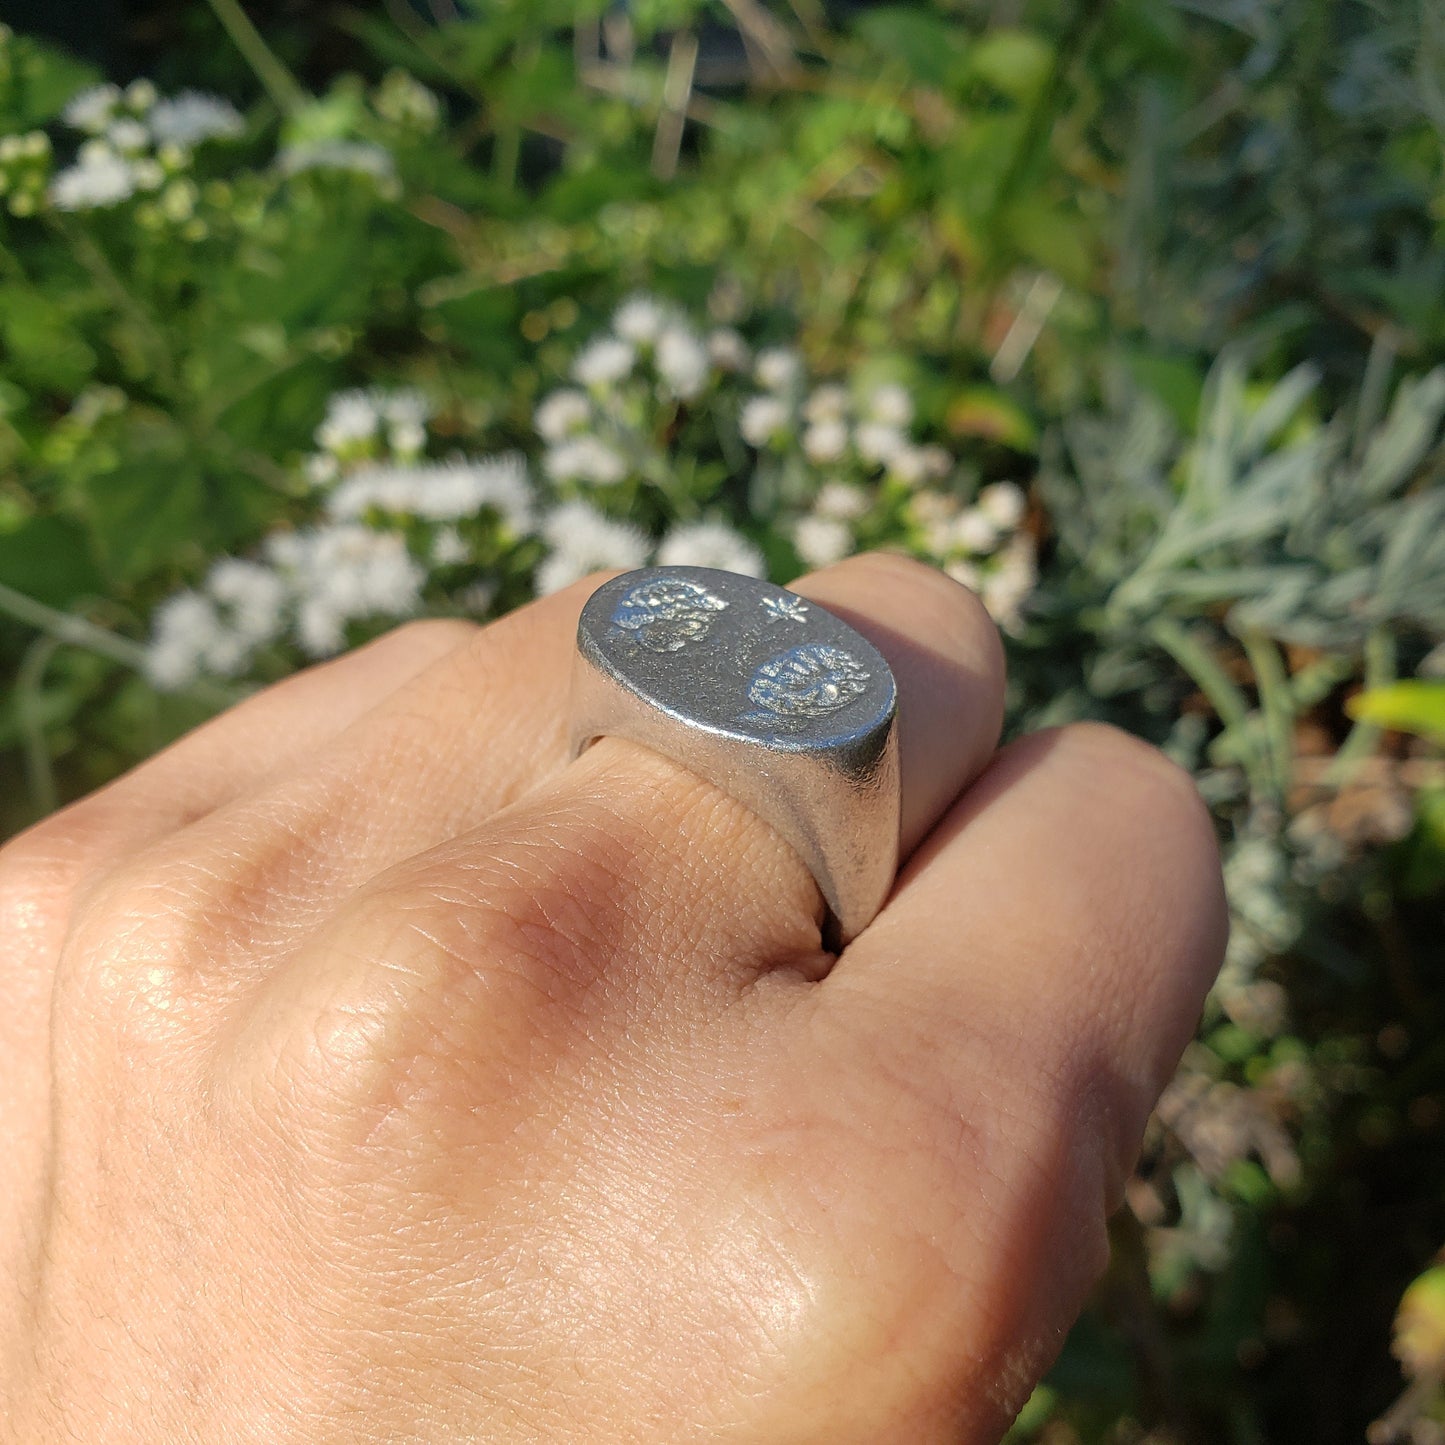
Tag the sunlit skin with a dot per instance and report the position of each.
(371, 1073)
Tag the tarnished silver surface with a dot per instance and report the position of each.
(765, 694)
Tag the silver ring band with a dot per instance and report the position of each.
(766, 695)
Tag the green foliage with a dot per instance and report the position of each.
(1173, 268)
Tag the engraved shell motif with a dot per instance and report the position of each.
(666, 614)
(804, 682)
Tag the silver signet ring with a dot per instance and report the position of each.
(766, 695)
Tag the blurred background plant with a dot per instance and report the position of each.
(1130, 315)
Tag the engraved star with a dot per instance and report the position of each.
(790, 609)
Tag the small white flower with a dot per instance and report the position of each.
(828, 402)
(878, 443)
(682, 362)
(890, 405)
(762, 419)
(478, 597)
(91, 110)
(254, 596)
(343, 571)
(778, 368)
(406, 438)
(932, 508)
(358, 157)
(821, 541)
(727, 350)
(140, 95)
(149, 175)
(640, 319)
(585, 459)
(448, 548)
(99, 177)
(320, 628)
(937, 461)
(964, 572)
(710, 544)
(321, 468)
(825, 441)
(583, 540)
(938, 535)
(908, 465)
(184, 630)
(192, 117)
(604, 361)
(1008, 586)
(1003, 504)
(911, 465)
(127, 135)
(407, 407)
(841, 501)
(973, 531)
(351, 420)
(562, 413)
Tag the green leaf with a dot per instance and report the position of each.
(40, 347)
(1054, 235)
(37, 82)
(148, 510)
(1414, 706)
(49, 559)
(1015, 63)
(929, 48)
(1176, 380)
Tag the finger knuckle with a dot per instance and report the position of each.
(125, 970)
(49, 856)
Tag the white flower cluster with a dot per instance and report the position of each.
(387, 518)
(311, 582)
(982, 545)
(138, 142)
(581, 541)
(836, 427)
(393, 525)
(351, 157)
(344, 571)
(359, 422)
(596, 431)
(446, 491)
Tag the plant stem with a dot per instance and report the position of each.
(1274, 700)
(66, 627)
(1226, 698)
(39, 774)
(1364, 736)
(286, 92)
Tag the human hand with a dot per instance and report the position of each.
(369, 1073)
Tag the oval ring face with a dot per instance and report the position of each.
(737, 655)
